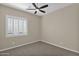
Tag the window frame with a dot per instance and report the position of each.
(19, 34)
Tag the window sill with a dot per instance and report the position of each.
(16, 35)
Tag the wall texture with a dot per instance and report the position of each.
(62, 27)
(33, 28)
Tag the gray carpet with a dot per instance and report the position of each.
(38, 49)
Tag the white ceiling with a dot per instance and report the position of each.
(24, 6)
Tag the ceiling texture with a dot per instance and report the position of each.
(24, 6)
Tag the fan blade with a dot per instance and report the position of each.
(42, 11)
(30, 9)
(43, 6)
(35, 5)
(35, 12)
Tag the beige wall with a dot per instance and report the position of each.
(62, 27)
(33, 28)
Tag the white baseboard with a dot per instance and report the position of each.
(61, 47)
(17, 46)
(38, 41)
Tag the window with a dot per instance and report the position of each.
(15, 26)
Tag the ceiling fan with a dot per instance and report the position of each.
(38, 8)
